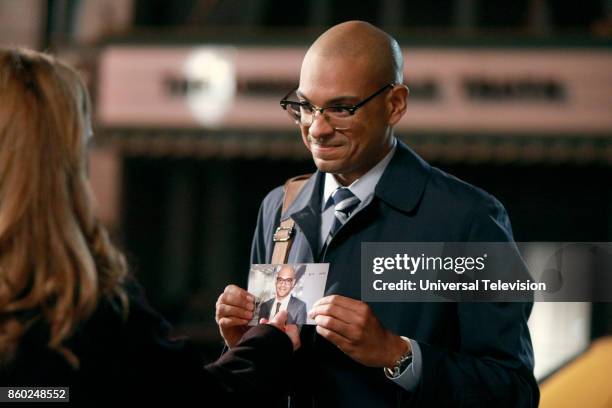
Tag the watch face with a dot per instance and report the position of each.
(392, 372)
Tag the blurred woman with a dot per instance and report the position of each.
(70, 315)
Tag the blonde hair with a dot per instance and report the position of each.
(56, 260)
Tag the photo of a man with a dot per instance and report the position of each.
(284, 300)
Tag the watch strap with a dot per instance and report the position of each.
(402, 363)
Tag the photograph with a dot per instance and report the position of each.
(291, 287)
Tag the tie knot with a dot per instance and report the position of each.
(344, 200)
(341, 194)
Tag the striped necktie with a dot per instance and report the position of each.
(345, 203)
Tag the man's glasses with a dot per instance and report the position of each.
(339, 116)
(281, 281)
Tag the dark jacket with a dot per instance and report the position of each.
(296, 310)
(473, 354)
(133, 361)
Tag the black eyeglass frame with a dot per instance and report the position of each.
(350, 108)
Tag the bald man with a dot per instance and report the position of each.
(284, 299)
(371, 187)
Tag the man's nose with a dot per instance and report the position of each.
(320, 127)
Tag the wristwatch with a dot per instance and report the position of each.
(401, 364)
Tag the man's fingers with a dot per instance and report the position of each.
(332, 310)
(342, 301)
(346, 330)
(292, 329)
(334, 337)
(279, 319)
(233, 289)
(238, 300)
(235, 296)
(294, 334)
(224, 310)
(226, 322)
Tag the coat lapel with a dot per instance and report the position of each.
(404, 180)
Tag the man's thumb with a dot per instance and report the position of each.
(280, 318)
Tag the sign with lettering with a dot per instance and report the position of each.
(551, 90)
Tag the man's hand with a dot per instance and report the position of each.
(233, 311)
(279, 321)
(351, 325)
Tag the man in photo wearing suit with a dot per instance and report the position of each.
(371, 187)
(284, 300)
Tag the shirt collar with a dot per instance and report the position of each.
(284, 301)
(364, 186)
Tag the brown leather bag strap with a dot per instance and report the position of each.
(283, 236)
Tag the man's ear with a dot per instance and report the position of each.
(397, 103)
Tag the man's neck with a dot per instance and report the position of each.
(347, 179)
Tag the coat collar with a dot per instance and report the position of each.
(401, 186)
(307, 197)
(404, 180)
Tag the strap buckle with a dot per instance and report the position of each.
(283, 234)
